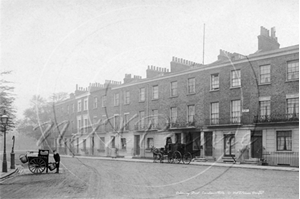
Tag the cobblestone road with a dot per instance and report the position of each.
(87, 178)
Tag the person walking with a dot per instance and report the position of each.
(57, 160)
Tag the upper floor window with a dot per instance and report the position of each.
(73, 108)
(265, 109)
(293, 70)
(236, 78)
(191, 85)
(173, 114)
(126, 97)
(155, 117)
(292, 107)
(142, 94)
(85, 104)
(79, 105)
(116, 99)
(95, 102)
(235, 111)
(265, 74)
(173, 89)
(126, 121)
(103, 101)
(155, 92)
(214, 84)
(142, 119)
(116, 122)
(214, 113)
(191, 113)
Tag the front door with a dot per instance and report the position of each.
(137, 145)
(229, 145)
(256, 144)
(208, 143)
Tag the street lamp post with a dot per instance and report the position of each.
(4, 119)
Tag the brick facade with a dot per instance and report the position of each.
(204, 138)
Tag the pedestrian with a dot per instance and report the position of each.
(57, 160)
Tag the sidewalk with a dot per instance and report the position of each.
(10, 172)
(218, 164)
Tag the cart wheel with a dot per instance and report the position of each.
(187, 158)
(176, 157)
(37, 165)
(157, 157)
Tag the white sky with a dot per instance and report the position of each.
(52, 45)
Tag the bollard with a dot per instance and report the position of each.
(12, 161)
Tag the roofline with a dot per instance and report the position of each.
(252, 57)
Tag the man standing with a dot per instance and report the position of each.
(57, 160)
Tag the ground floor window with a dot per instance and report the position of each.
(123, 143)
(284, 140)
(84, 144)
(150, 143)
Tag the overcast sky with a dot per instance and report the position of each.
(52, 45)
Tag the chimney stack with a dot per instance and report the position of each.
(267, 42)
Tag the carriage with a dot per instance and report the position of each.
(173, 153)
(38, 162)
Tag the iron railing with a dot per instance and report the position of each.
(223, 121)
(281, 158)
(294, 117)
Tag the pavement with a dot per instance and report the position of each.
(12, 172)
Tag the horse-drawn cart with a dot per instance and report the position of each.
(173, 153)
(38, 162)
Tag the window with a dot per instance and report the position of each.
(293, 70)
(155, 92)
(155, 118)
(68, 109)
(116, 99)
(235, 78)
(191, 114)
(78, 124)
(95, 102)
(142, 119)
(126, 121)
(142, 94)
(85, 125)
(73, 108)
(214, 113)
(264, 107)
(116, 122)
(173, 89)
(102, 144)
(284, 140)
(191, 85)
(235, 111)
(265, 74)
(292, 107)
(104, 101)
(126, 97)
(173, 115)
(214, 84)
(85, 104)
(150, 143)
(123, 143)
(79, 106)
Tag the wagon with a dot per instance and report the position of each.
(173, 153)
(38, 162)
